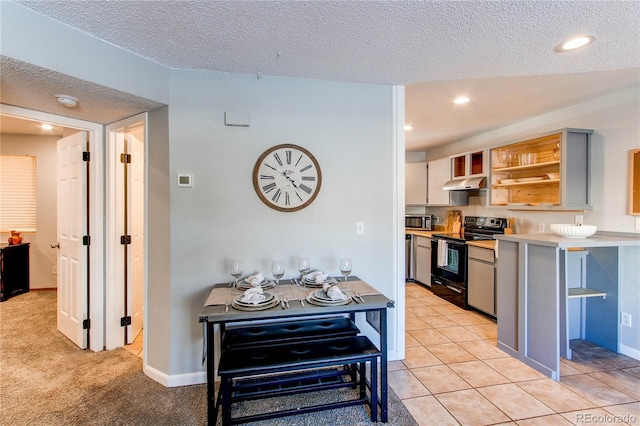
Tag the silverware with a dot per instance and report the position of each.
(355, 299)
(302, 302)
(360, 297)
(282, 304)
(226, 307)
(286, 302)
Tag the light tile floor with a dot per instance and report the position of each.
(136, 346)
(453, 373)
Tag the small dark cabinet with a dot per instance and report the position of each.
(14, 270)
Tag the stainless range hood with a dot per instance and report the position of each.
(465, 184)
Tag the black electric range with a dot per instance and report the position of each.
(449, 256)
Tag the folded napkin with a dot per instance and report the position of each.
(334, 292)
(253, 295)
(255, 279)
(316, 276)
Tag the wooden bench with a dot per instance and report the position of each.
(293, 367)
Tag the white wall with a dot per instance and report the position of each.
(616, 124)
(348, 128)
(41, 256)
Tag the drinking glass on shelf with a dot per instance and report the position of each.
(303, 266)
(345, 267)
(235, 270)
(277, 269)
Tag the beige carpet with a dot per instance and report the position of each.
(46, 380)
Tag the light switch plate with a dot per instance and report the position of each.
(359, 228)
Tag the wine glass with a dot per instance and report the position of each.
(303, 266)
(345, 267)
(277, 269)
(236, 271)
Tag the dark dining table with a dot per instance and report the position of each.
(218, 310)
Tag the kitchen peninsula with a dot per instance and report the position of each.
(534, 276)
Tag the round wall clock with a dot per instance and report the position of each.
(287, 177)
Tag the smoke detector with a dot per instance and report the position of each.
(66, 100)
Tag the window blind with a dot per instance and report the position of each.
(18, 193)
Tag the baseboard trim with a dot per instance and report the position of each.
(629, 351)
(171, 381)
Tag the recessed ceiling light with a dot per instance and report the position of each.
(46, 127)
(461, 100)
(408, 127)
(574, 43)
(66, 100)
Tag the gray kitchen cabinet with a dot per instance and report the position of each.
(415, 184)
(481, 288)
(439, 173)
(423, 260)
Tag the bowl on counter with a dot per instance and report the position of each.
(573, 231)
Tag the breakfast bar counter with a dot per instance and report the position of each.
(537, 275)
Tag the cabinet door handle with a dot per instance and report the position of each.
(454, 289)
(437, 282)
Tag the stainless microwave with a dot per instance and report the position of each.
(418, 222)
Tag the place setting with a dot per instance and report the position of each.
(253, 296)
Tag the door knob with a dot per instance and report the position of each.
(55, 245)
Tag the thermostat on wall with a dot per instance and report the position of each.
(185, 180)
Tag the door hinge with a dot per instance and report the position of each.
(86, 240)
(125, 321)
(125, 239)
(86, 324)
(86, 156)
(125, 158)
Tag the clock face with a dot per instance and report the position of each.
(287, 177)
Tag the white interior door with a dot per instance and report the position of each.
(72, 254)
(135, 211)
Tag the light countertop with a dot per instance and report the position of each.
(604, 239)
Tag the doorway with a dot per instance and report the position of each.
(94, 307)
(125, 256)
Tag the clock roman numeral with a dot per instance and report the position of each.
(269, 188)
(299, 158)
(277, 157)
(276, 196)
(286, 198)
(305, 188)
(267, 177)
(288, 157)
(309, 178)
(306, 168)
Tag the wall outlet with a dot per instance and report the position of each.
(541, 227)
(436, 220)
(578, 219)
(54, 270)
(359, 228)
(625, 319)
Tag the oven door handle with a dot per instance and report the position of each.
(454, 289)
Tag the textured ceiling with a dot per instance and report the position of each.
(437, 48)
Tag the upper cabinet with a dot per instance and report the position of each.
(439, 173)
(468, 165)
(551, 172)
(415, 184)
